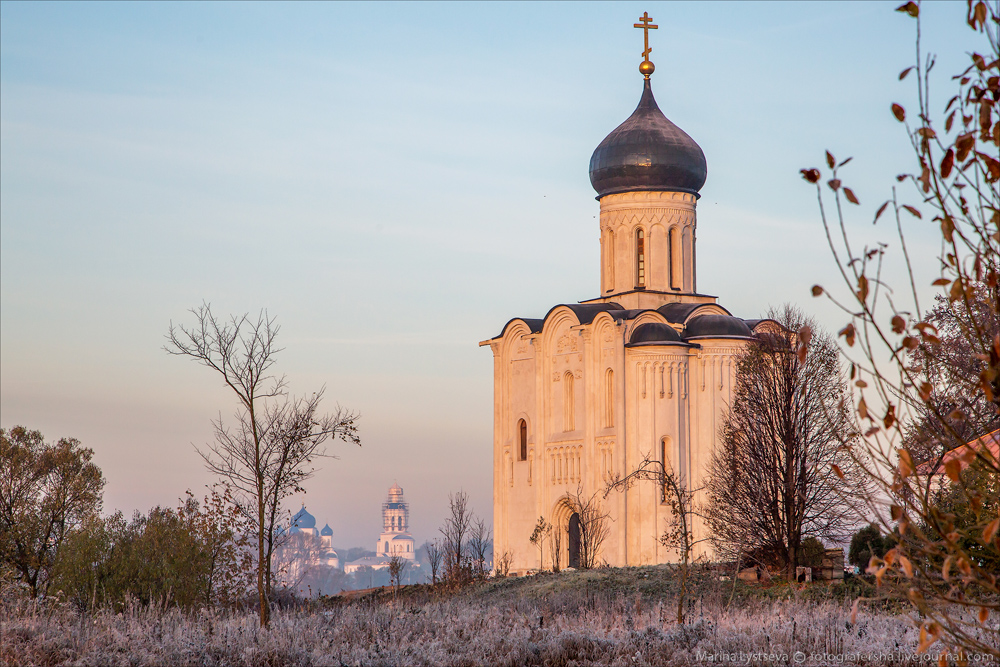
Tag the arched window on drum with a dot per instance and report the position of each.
(522, 440)
(640, 258)
(569, 403)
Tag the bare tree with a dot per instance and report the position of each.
(927, 383)
(267, 454)
(543, 529)
(501, 564)
(296, 562)
(780, 472)
(480, 546)
(397, 566)
(594, 526)
(555, 546)
(455, 531)
(679, 531)
(435, 554)
(45, 491)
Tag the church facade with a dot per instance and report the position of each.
(644, 370)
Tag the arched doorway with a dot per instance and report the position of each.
(574, 540)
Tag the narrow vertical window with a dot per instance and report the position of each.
(670, 258)
(609, 398)
(610, 256)
(663, 462)
(640, 258)
(686, 260)
(569, 416)
(522, 435)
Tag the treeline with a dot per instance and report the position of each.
(189, 556)
(54, 542)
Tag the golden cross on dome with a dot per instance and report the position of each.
(646, 67)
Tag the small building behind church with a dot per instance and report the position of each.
(643, 369)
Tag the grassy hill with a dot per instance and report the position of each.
(599, 617)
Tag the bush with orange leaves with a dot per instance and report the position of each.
(927, 382)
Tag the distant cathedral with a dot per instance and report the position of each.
(646, 369)
(315, 545)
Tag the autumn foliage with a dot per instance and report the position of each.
(927, 380)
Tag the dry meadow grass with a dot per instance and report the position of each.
(555, 620)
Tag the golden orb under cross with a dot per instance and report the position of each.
(646, 67)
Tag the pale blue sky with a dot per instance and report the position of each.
(393, 182)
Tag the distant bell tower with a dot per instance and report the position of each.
(395, 539)
(395, 512)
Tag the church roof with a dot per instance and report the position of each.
(535, 324)
(326, 530)
(716, 326)
(710, 324)
(647, 152)
(303, 519)
(585, 312)
(678, 313)
(654, 333)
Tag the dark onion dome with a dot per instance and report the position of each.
(647, 152)
(716, 326)
(654, 333)
(303, 519)
(326, 530)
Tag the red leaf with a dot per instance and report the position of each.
(881, 210)
(902, 75)
(991, 164)
(817, 290)
(890, 416)
(941, 281)
(949, 120)
(834, 184)
(912, 210)
(811, 175)
(964, 144)
(829, 160)
(898, 324)
(898, 112)
(910, 8)
(978, 15)
(805, 335)
(906, 467)
(946, 163)
(925, 391)
(850, 196)
(947, 230)
(848, 334)
(862, 288)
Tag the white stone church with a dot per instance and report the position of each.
(644, 369)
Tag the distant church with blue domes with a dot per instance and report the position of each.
(304, 524)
